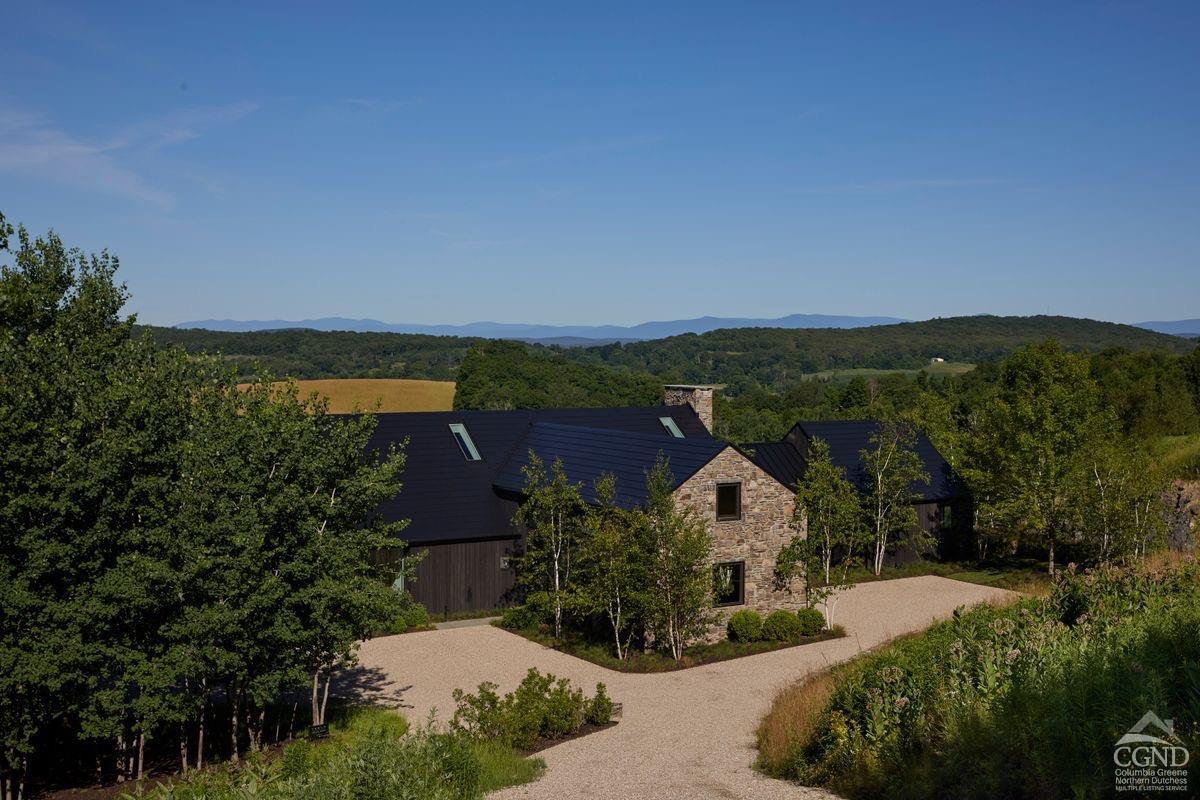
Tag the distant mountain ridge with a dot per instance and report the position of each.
(1178, 327)
(507, 330)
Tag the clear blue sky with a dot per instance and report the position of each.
(550, 163)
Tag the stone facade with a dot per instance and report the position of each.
(700, 398)
(764, 528)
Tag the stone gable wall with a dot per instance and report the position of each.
(764, 529)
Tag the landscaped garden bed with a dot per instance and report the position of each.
(575, 643)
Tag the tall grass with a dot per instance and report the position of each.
(1024, 701)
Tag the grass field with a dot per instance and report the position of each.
(393, 394)
(1178, 455)
(938, 370)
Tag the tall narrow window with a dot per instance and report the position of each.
(464, 441)
(729, 580)
(671, 427)
(729, 501)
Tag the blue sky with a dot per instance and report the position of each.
(614, 163)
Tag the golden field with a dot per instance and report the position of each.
(393, 394)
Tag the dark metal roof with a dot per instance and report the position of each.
(848, 438)
(588, 453)
(781, 460)
(447, 498)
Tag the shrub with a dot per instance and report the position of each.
(541, 707)
(410, 615)
(781, 626)
(600, 709)
(745, 626)
(519, 618)
(812, 621)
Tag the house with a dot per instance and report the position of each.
(942, 504)
(463, 482)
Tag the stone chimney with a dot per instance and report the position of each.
(700, 398)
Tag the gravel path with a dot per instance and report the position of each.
(686, 734)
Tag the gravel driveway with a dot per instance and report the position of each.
(686, 734)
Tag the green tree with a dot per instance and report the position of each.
(892, 467)
(1120, 506)
(612, 565)
(551, 515)
(828, 507)
(679, 580)
(1032, 433)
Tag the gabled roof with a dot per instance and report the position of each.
(785, 460)
(446, 498)
(848, 438)
(781, 460)
(589, 453)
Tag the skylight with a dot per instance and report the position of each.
(464, 441)
(671, 427)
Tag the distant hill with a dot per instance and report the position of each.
(744, 357)
(779, 358)
(1180, 327)
(569, 335)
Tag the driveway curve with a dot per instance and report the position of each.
(686, 734)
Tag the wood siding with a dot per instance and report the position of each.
(464, 576)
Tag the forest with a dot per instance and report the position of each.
(740, 358)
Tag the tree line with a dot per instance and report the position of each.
(1046, 461)
(176, 555)
(743, 359)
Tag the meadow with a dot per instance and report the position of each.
(1032, 696)
(392, 394)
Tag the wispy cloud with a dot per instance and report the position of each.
(919, 183)
(31, 145)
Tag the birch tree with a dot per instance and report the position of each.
(679, 563)
(828, 508)
(892, 468)
(551, 515)
(613, 566)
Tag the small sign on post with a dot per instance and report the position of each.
(318, 731)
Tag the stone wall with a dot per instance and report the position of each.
(764, 528)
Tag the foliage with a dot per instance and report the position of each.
(1032, 696)
(892, 467)
(519, 618)
(500, 375)
(176, 542)
(410, 616)
(679, 572)
(600, 708)
(812, 621)
(377, 761)
(828, 509)
(580, 645)
(551, 516)
(781, 625)
(325, 354)
(541, 707)
(745, 625)
(612, 566)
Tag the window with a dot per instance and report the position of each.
(729, 501)
(671, 427)
(946, 514)
(464, 442)
(729, 583)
